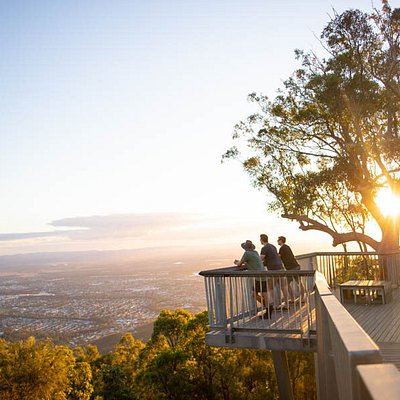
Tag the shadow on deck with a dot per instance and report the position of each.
(236, 322)
(293, 329)
(382, 323)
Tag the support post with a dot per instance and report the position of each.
(282, 375)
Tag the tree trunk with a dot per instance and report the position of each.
(390, 235)
(388, 263)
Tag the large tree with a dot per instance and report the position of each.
(330, 140)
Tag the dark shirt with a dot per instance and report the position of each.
(287, 257)
(271, 260)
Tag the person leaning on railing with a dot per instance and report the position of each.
(252, 262)
(291, 264)
(272, 262)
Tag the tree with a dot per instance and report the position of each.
(88, 375)
(177, 364)
(116, 372)
(171, 325)
(81, 382)
(35, 371)
(330, 140)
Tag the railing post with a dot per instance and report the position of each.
(220, 306)
(249, 296)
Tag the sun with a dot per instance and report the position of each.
(388, 203)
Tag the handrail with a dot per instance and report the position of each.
(232, 305)
(344, 253)
(236, 271)
(378, 381)
(339, 267)
(342, 345)
(349, 364)
(335, 253)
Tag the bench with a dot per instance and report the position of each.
(366, 291)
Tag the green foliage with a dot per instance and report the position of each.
(357, 268)
(174, 364)
(331, 139)
(35, 371)
(81, 382)
(171, 326)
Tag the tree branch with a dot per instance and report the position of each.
(307, 224)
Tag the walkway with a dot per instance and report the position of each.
(382, 323)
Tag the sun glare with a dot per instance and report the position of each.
(387, 202)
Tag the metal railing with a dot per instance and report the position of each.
(349, 364)
(342, 346)
(231, 299)
(339, 267)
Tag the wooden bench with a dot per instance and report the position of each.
(366, 291)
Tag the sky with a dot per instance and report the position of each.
(114, 116)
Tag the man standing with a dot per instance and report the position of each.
(271, 260)
(291, 264)
(252, 262)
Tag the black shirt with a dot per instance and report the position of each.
(271, 260)
(287, 257)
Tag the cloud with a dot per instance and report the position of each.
(111, 226)
(134, 231)
(6, 237)
(126, 221)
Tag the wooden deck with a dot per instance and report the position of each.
(296, 318)
(293, 329)
(382, 324)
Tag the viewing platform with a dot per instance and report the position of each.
(236, 321)
(356, 346)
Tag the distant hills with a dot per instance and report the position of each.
(198, 256)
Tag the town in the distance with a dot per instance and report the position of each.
(95, 297)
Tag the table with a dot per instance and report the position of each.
(367, 291)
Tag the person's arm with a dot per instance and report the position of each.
(242, 263)
(262, 256)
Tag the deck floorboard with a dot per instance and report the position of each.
(295, 318)
(382, 324)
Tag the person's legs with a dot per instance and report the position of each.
(291, 293)
(302, 291)
(260, 294)
(300, 287)
(271, 290)
(284, 288)
(280, 285)
(290, 281)
(269, 307)
(256, 293)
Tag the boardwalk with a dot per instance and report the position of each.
(293, 329)
(382, 324)
(297, 319)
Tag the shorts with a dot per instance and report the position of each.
(274, 268)
(260, 286)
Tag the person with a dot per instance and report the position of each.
(252, 262)
(271, 260)
(291, 264)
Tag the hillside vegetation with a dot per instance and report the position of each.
(174, 364)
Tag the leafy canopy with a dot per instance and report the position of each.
(330, 140)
